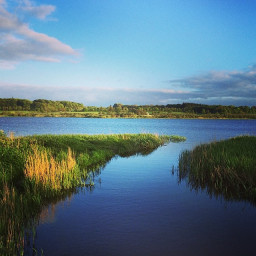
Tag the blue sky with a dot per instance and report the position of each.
(100, 52)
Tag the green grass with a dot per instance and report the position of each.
(225, 168)
(36, 170)
(176, 138)
(76, 154)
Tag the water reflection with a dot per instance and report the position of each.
(224, 189)
(48, 213)
(20, 216)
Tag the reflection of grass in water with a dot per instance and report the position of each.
(15, 221)
(225, 168)
(36, 170)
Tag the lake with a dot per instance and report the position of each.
(137, 206)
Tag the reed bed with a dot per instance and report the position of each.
(226, 168)
(59, 162)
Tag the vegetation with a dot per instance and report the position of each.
(226, 168)
(35, 170)
(39, 105)
(39, 108)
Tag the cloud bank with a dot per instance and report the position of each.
(88, 95)
(218, 87)
(108, 96)
(222, 87)
(18, 42)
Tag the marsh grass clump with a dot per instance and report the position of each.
(226, 168)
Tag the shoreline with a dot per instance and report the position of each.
(129, 117)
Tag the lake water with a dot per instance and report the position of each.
(137, 206)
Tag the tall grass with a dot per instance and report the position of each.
(50, 174)
(226, 168)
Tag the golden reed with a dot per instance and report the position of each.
(45, 170)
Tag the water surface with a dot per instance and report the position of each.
(137, 206)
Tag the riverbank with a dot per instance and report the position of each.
(225, 168)
(35, 170)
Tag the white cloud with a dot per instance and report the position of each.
(18, 42)
(40, 12)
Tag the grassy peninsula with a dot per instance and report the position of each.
(49, 108)
(225, 168)
(34, 170)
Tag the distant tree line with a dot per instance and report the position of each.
(185, 108)
(41, 107)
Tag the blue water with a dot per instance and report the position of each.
(137, 206)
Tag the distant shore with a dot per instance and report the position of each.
(85, 114)
(49, 108)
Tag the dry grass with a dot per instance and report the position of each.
(43, 169)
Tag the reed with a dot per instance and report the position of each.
(45, 171)
(226, 168)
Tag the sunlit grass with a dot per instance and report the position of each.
(43, 169)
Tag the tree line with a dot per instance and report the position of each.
(39, 105)
(184, 110)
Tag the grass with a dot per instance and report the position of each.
(36, 170)
(51, 164)
(225, 168)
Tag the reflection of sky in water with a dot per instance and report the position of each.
(138, 207)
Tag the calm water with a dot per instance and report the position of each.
(137, 206)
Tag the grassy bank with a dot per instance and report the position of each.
(226, 168)
(34, 170)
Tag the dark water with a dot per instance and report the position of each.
(137, 206)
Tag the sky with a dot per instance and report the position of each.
(101, 52)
